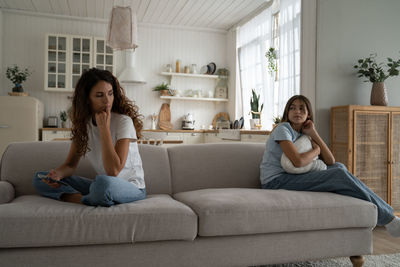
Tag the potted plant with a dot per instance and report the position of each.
(163, 88)
(256, 110)
(17, 76)
(276, 120)
(63, 118)
(271, 56)
(377, 73)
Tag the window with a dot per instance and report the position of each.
(279, 27)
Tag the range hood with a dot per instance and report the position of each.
(130, 73)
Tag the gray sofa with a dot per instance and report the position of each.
(204, 208)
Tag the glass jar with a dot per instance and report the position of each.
(168, 68)
(193, 68)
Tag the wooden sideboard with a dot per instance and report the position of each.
(367, 140)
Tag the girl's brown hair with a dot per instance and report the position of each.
(81, 112)
(285, 117)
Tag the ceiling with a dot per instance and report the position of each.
(214, 14)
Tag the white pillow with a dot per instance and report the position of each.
(303, 144)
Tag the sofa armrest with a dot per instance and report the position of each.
(7, 192)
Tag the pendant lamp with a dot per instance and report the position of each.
(122, 35)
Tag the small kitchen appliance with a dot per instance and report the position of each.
(52, 122)
(188, 122)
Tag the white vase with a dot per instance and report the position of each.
(254, 123)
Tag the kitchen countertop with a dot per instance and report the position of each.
(243, 131)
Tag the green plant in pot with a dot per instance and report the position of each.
(63, 118)
(163, 88)
(271, 56)
(256, 110)
(17, 76)
(276, 120)
(377, 73)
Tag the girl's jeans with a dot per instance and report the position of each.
(103, 191)
(336, 179)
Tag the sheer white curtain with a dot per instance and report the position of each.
(289, 54)
(253, 39)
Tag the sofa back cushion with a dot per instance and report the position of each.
(20, 161)
(221, 165)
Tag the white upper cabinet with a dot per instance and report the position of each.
(103, 55)
(57, 47)
(68, 56)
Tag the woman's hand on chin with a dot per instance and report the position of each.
(103, 118)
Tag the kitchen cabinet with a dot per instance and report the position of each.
(367, 140)
(193, 138)
(68, 56)
(81, 57)
(56, 134)
(57, 47)
(103, 55)
(195, 87)
(254, 138)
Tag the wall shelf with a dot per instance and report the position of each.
(195, 98)
(209, 76)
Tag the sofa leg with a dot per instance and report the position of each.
(357, 261)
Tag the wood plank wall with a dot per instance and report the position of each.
(23, 40)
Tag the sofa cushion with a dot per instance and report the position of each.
(34, 221)
(202, 166)
(21, 160)
(240, 211)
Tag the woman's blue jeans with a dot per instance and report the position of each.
(336, 179)
(103, 191)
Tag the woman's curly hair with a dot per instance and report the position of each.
(81, 112)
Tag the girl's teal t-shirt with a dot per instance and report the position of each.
(271, 163)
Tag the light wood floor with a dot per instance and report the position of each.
(384, 243)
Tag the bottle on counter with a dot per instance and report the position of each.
(178, 66)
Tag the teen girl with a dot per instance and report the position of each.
(297, 120)
(105, 127)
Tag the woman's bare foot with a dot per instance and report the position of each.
(72, 198)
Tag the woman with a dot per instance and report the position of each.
(297, 120)
(103, 130)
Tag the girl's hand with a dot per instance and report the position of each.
(103, 118)
(309, 129)
(316, 146)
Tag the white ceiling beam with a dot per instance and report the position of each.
(178, 16)
(225, 12)
(203, 11)
(177, 9)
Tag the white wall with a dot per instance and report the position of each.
(23, 42)
(2, 70)
(346, 31)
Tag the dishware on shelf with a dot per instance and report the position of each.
(193, 69)
(211, 68)
(204, 69)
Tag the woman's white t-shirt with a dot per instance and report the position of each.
(121, 127)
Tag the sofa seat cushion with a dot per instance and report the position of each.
(241, 211)
(35, 221)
